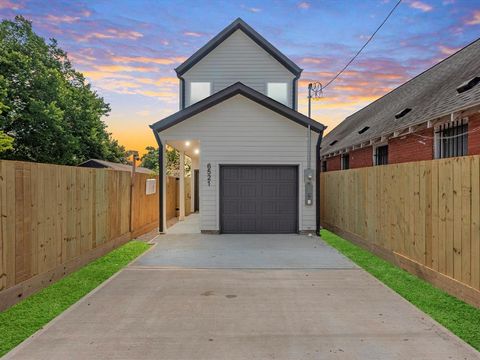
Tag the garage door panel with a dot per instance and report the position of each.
(259, 199)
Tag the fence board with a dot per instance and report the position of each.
(426, 212)
(54, 216)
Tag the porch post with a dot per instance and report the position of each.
(181, 202)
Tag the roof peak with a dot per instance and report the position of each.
(238, 24)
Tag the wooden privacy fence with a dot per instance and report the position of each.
(423, 216)
(55, 219)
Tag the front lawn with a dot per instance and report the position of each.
(31, 314)
(460, 318)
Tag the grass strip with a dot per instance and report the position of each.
(459, 317)
(28, 316)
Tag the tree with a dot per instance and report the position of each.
(172, 160)
(149, 160)
(46, 107)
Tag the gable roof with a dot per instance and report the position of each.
(430, 95)
(97, 163)
(227, 93)
(225, 33)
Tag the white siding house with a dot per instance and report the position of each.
(251, 145)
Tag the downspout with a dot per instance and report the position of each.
(182, 92)
(317, 183)
(160, 182)
(294, 92)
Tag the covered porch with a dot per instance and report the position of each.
(181, 190)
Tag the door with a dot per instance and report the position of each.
(258, 199)
(196, 190)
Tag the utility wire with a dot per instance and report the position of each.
(364, 45)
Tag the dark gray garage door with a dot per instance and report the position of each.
(258, 199)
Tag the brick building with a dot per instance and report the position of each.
(434, 115)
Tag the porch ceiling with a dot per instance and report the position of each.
(189, 150)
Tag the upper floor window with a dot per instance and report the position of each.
(451, 139)
(199, 91)
(278, 92)
(381, 155)
(345, 161)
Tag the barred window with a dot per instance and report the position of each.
(345, 161)
(451, 139)
(381, 155)
(324, 166)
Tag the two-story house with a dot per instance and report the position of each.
(255, 157)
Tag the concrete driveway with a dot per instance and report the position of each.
(243, 297)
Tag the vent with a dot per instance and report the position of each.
(333, 142)
(467, 85)
(402, 113)
(364, 129)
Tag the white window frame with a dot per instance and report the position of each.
(191, 90)
(436, 147)
(286, 91)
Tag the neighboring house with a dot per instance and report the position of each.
(101, 164)
(238, 122)
(434, 115)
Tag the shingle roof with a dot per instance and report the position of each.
(225, 33)
(237, 89)
(430, 95)
(117, 166)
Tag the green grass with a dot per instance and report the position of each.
(457, 316)
(31, 314)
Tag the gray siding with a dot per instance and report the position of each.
(238, 58)
(240, 131)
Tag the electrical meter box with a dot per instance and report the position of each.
(309, 178)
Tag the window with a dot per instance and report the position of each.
(324, 166)
(381, 155)
(451, 139)
(199, 91)
(278, 92)
(345, 161)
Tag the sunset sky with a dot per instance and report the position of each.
(128, 49)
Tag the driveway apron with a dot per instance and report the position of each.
(196, 296)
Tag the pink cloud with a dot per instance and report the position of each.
(474, 19)
(445, 50)
(420, 6)
(149, 60)
(61, 19)
(304, 5)
(109, 34)
(313, 60)
(7, 4)
(193, 33)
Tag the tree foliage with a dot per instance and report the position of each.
(172, 161)
(46, 106)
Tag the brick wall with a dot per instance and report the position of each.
(411, 147)
(334, 163)
(361, 158)
(474, 137)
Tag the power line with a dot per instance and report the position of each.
(364, 45)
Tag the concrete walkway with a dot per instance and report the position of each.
(243, 297)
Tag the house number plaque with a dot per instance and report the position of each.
(209, 174)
